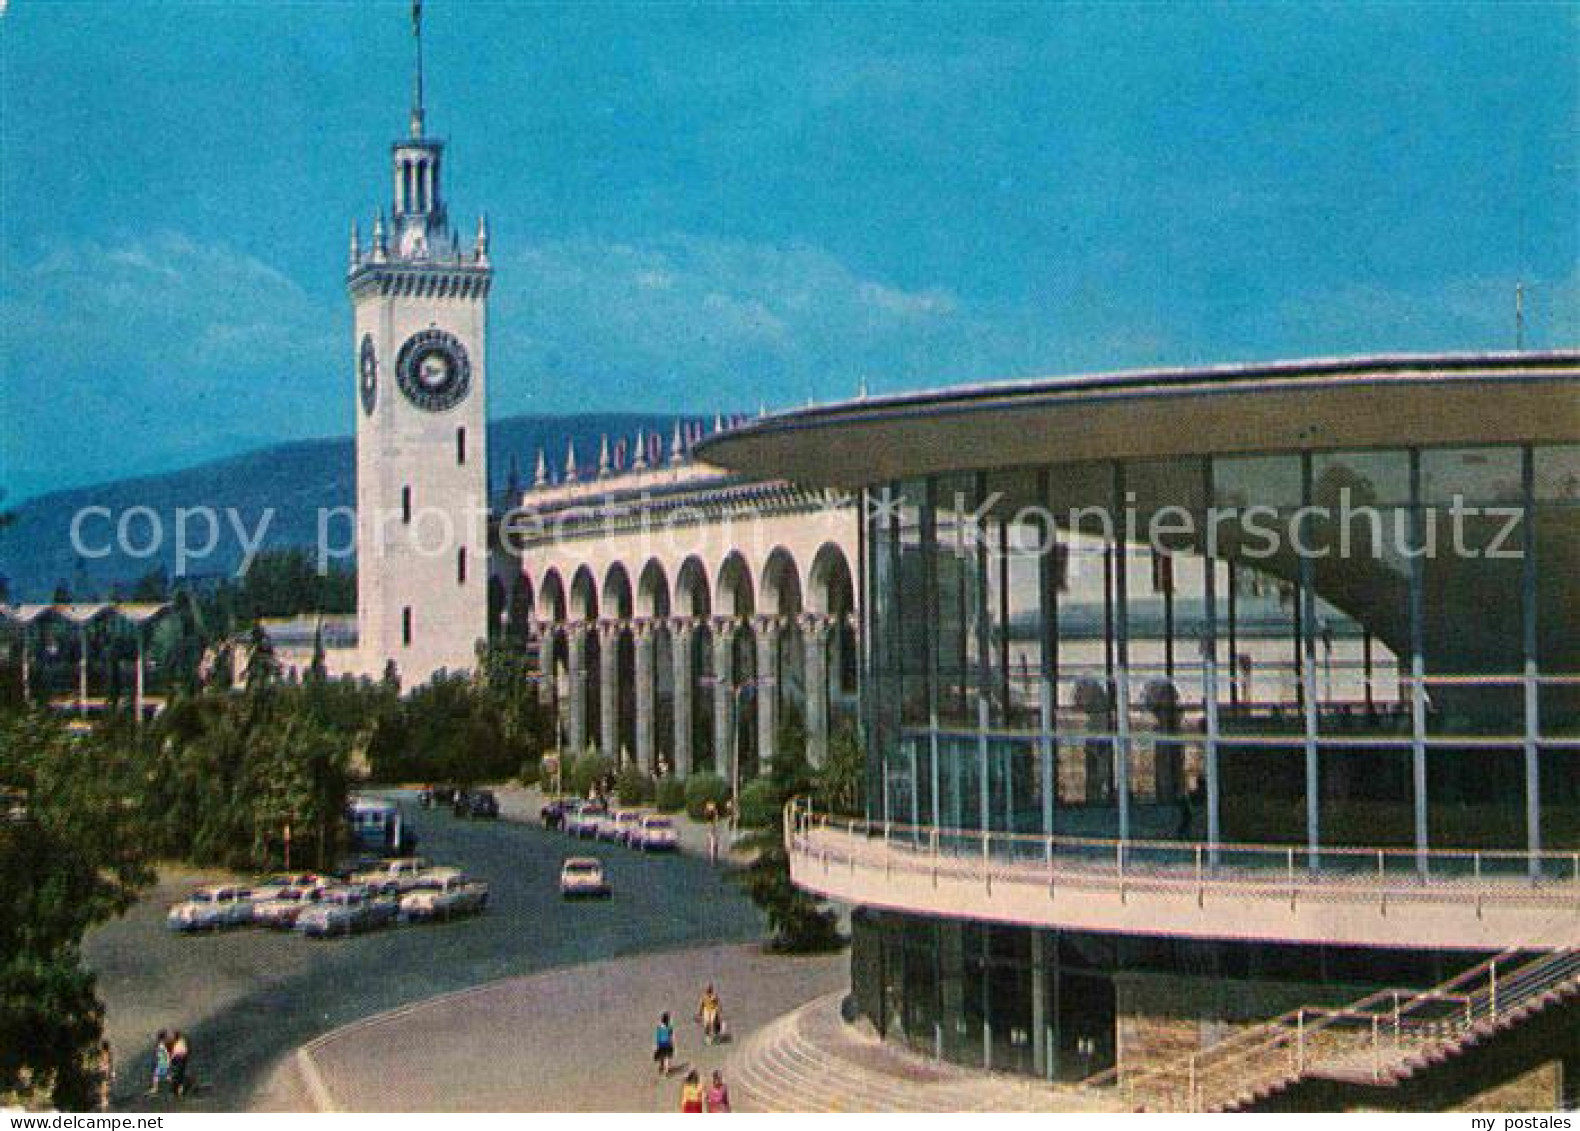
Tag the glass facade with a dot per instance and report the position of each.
(1324, 649)
(1054, 1004)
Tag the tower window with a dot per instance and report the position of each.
(405, 505)
(460, 566)
(460, 445)
(405, 626)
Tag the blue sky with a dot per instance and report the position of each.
(708, 206)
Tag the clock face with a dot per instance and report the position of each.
(433, 370)
(368, 374)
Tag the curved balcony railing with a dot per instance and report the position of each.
(1446, 898)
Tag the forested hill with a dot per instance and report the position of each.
(295, 479)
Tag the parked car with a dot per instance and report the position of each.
(609, 824)
(444, 894)
(272, 887)
(626, 822)
(395, 876)
(582, 877)
(655, 834)
(433, 796)
(13, 805)
(346, 911)
(282, 911)
(209, 909)
(480, 804)
(553, 812)
(582, 821)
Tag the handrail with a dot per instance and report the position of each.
(800, 816)
(1258, 1057)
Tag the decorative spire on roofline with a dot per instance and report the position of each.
(417, 116)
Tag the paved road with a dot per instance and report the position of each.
(249, 997)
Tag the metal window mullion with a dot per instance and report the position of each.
(1529, 613)
(932, 612)
(984, 664)
(1308, 677)
(1047, 626)
(1418, 661)
(1210, 677)
(1122, 656)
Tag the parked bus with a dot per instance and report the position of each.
(377, 826)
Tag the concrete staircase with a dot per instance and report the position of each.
(1383, 1040)
(811, 1060)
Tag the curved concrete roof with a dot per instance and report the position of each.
(1323, 403)
(84, 614)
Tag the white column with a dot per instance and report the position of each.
(82, 670)
(815, 630)
(768, 684)
(138, 687)
(724, 748)
(680, 639)
(609, 690)
(576, 659)
(645, 647)
(546, 672)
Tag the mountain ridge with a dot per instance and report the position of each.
(298, 479)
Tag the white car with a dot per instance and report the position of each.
(283, 909)
(621, 826)
(397, 876)
(581, 877)
(445, 896)
(211, 908)
(655, 834)
(346, 911)
(582, 822)
(273, 887)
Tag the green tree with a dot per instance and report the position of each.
(840, 782)
(74, 858)
(799, 923)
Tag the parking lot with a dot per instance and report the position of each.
(249, 996)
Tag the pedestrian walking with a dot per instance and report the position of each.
(691, 1093)
(710, 1014)
(161, 1062)
(664, 1045)
(180, 1052)
(710, 811)
(106, 1075)
(717, 1097)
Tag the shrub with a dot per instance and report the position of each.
(670, 795)
(633, 787)
(759, 804)
(588, 768)
(531, 771)
(703, 788)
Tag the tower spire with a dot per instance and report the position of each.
(416, 78)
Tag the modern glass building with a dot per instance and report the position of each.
(1192, 696)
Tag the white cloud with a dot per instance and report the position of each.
(157, 299)
(700, 321)
(154, 350)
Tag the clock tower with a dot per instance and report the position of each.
(420, 303)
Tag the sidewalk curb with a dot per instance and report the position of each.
(318, 1093)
